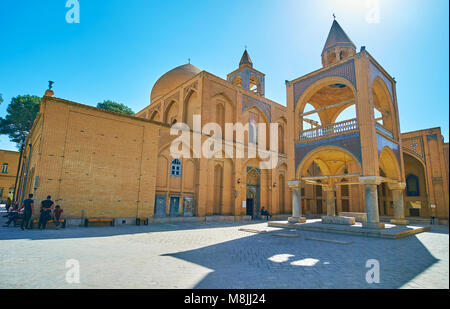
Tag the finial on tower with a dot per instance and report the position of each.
(49, 92)
(334, 17)
(189, 60)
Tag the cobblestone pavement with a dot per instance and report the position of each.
(218, 255)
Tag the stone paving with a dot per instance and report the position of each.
(218, 255)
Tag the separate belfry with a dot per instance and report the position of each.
(345, 122)
(247, 77)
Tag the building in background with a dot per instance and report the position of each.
(9, 160)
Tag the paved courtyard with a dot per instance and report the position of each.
(218, 255)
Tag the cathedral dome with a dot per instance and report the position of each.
(173, 79)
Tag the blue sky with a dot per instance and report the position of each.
(120, 48)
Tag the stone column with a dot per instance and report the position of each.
(295, 185)
(399, 208)
(371, 200)
(330, 191)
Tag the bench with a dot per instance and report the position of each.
(359, 216)
(99, 220)
(143, 220)
(267, 215)
(18, 222)
(61, 221)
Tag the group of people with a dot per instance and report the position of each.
(26, 213)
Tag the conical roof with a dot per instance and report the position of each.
(337, 36)
(245, 59)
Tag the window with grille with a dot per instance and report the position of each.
(175, 168)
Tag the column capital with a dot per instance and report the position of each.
(329, 188)
(295, 184)
(397, 186)
(370, 180)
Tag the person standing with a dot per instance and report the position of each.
(46, 209)
(28, 210)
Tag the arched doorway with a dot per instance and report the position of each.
(416, 191)
(253, 192)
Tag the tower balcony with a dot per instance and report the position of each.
(331, 130)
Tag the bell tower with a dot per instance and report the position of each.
(338, 46)
(247, 77)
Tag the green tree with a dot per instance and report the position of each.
(115, 107)
(20, 115)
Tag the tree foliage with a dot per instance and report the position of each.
(115, 107)
(20, 115)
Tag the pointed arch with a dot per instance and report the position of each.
(389, 164)
(191, 106)
(325, 116)
(171, 112)
(383, 103)
(155, 116)
(330, 159)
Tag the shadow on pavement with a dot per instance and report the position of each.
(264, 261)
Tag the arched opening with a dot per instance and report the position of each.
(389, 164)
(255, 84)
(347, 113)
(281, 138)
(253, 192)
(220, 117)
(388, 168)
(383, 112)
(385, 203)
(412, 185)
(237, 81)
(255, 117)
(281, 193)
(312, 120)
(328, 166)
(321, 105)
(155, 116)
(175, 168)
(171, 113)
(416, 191)
(331, 56)
(192, 108)
(218, 189)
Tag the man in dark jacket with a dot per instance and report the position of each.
(46, 210)
(28, 209)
